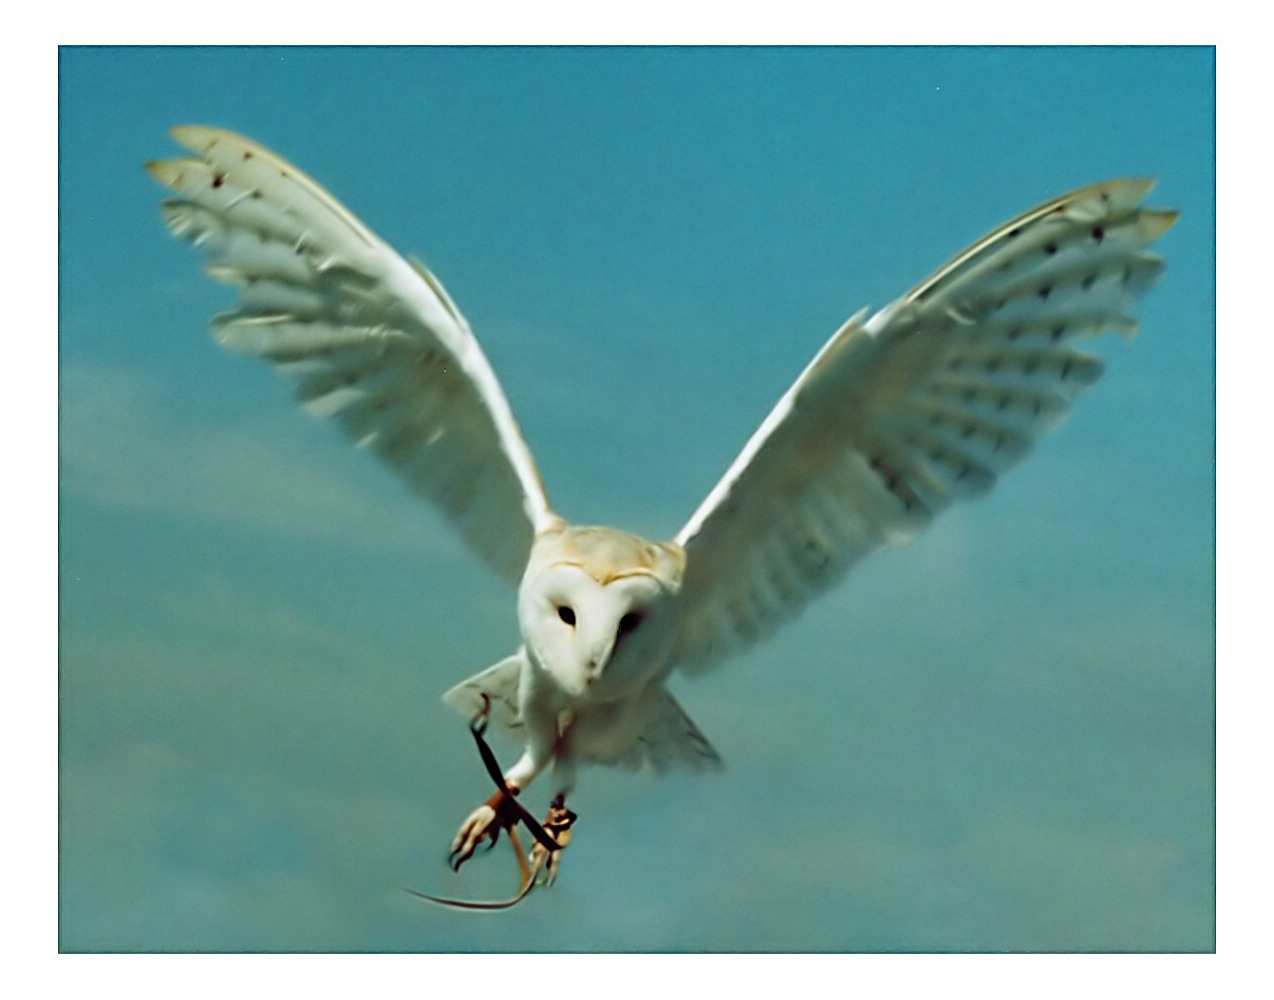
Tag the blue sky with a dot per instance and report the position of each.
(999, 738)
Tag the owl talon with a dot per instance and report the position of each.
(483, 825)
(473, 831)
(557, 824)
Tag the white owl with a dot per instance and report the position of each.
(896, 416)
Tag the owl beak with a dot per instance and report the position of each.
(596, 661)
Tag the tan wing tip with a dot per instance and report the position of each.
(1126, 192)
(1142, 186)
(1125, 326)
(202, 139)
(1154, 222)
(199, 138)
(167, 172)
(1116, 197)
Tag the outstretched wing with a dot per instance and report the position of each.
(371, 340)
(924, 403)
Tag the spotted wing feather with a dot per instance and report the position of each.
(925, 403)
(370, 340)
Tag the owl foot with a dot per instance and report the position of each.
(557, 824)
(500, 812)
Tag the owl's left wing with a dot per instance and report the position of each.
(924, 403)
(370, 340)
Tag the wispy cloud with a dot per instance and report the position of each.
(120, 446)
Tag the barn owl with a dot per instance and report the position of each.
(897, 415)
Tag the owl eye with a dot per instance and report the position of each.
(629, 622)
(566, 614)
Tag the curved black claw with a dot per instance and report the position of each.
(460, 855)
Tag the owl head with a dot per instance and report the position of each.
(593, 607)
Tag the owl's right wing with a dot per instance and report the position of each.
(371, 340)
(926, 402)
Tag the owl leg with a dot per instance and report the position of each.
(498, 812)
(501, 811)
